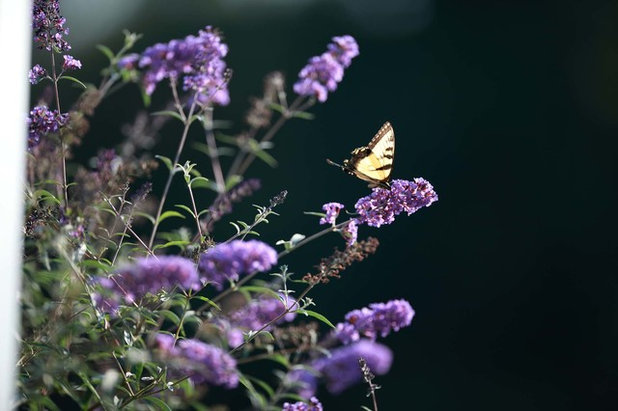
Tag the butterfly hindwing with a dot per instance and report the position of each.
(374, 162)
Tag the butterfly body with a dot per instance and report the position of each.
(373, 163)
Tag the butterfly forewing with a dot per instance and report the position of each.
(374, 162)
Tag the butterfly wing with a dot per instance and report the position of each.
(374, 162)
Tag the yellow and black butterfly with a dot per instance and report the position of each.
(374, 162)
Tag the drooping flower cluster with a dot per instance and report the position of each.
(332, 212)
(48, 26)
(71, 63)
(340, 371)
(203, 363)
(382, 205)
(36, 74)
(261, 311)
(145, 276)
(313, 405)
(198, 58)
(323, 72)
(223, 203)
(42, 122)
(227, 261)
(377, 319)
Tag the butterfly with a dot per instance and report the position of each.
(373, 163)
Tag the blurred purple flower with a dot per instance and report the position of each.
(48, 26)
(42, 122)
(350, 232)
(36, 74)
(313, 405)
(71, 63)
(382, 205)
(227, 261)
(145, 276)
(198, 58)
(377, 319)
(323, 72)
(200, 361)
(302, 382)
(129, 62)
(261, 311)
(332, 212)
(341, 369)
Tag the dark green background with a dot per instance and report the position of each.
(511, 110)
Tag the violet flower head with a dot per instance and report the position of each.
(227, 261)
(129, 62)
(341, 369)
(199, 59)
(261, 311)
(42, 122)
(332, 212)
(350, 232)
(36, 74)
(145, 276)
(382, 205)
(71, 63)
(323, 72)
(203, 363)
(313, 405)
(48, 26)
(377, 319)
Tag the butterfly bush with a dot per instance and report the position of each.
(140, 295)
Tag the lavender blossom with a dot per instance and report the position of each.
(313, 405)
(42, 122)
(341, 370)
(382, 205)
(145, 276)
(227, 261)
(199, 59)
(129, 62)
(200, 361)
(36, 74)
(71, 63)
(261, 311)
(323, 72)
(350, 232)
(377, 319)
(332, 212)
(48, 26)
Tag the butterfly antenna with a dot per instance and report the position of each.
(332, 163)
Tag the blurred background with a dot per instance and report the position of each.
(509, 108)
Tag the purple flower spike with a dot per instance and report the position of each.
(42, 122)
(332, 212)
(377, 319)
(48, 26)
(341, 369)
(71, 63)
(382, 205)
(203, 363)
(36, 74)
(227, 261)
(313, 405)
(323, 72)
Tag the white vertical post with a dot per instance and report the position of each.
(15, 43)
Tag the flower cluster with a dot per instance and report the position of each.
(261, 311)
(36, 74)
(350, 232)
(377, 319)
(323, 72)
(48, 26)
(227, 261)
(332, 212)
(145, 276)
(71, 63)
(198, 58)
(382, 205)
(200, 361)
(340, 370)
(313, 405)
(42, 122)
(223, 203)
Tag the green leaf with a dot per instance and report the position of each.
(201, 181)
(207, 301)
(178, 243)
(314, 213)
(262, 384)
(315, 315)
(278, 108)
(232, 181)
(303, 115)
(260, 290)
(107, 51)
(167, 162)
(170, 113)
(169, 315)
(170, 214)
(73, 79)
(45, 195)
(159, 405)
(187, 209)
(145, 215)
(95, 264)
(365, 408)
